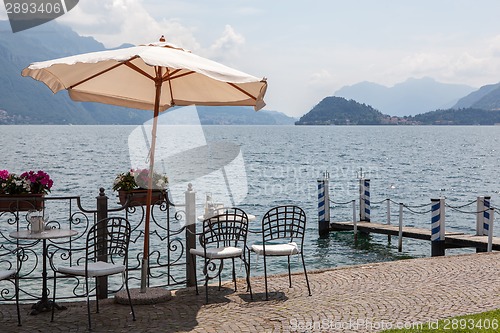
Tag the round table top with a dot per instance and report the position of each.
(46, 234)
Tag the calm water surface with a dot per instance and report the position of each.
(282, 163)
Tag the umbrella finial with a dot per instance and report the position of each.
(162, 39)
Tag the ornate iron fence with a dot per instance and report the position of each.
(167, 250)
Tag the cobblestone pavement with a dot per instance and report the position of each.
(352, 299)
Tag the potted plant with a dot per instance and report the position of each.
(23, 192)
(133, 184)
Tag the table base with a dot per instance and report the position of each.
(45, 306)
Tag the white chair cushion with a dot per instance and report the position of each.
(99, 268)
(276, 249)
(218, 252)
(5, 274)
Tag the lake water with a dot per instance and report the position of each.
(282, 165)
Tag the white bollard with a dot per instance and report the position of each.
(355, 225)
(479, 215)
(400, 233)
(490, 230)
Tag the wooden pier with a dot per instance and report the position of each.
(452, 239)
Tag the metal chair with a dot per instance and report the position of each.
(105, 253)
(10, 272)
(283, 230)
(223, 236)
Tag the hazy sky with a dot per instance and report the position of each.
(310, 49)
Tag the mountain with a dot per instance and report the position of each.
(468, 116)
(486, 98)
(241, 115)
(25, 101)
(340, 111)
(407, 98)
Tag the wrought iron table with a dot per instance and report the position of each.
(44, 304)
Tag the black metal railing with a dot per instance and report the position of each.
(167, 249)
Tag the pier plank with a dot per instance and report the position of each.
(452, 238)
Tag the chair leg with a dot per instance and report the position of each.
(96, 279)
(88, 301)
(247, 268)
(234, 276)
(205, 270)
(289, 273)
(53, 299)
(16, 287)
(305, 273)
(265, 276)
(129, 298)
(220, 277)
(249, 287)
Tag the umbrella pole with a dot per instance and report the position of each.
(145, 254)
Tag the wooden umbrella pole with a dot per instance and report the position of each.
(145, 255)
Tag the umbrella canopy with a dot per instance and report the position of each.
(154, 77)
(127, 77)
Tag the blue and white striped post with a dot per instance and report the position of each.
(323, 206)
(437, 228)
(486, 215)
(479, 216)
(364, 199)
(367, 199)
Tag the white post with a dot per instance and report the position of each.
(190, 201)
(388, 211)
(388, 216)
(190, 198)
(490, 230)
(354, 219)
(400, 233)
(479, 216)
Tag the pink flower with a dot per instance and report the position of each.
(4, 174)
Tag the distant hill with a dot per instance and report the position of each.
(487, 98)
(407, 98)
(25, 101)
(340, 111)
(241, 115)
(469, 116)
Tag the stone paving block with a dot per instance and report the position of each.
(348, 299)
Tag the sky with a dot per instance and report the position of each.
(307, 50)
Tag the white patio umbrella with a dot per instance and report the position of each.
(155, 77)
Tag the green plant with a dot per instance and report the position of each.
(139, 179)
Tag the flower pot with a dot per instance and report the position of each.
(139, 197)
(21, 202)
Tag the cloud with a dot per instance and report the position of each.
(461, 66)
(227, 45)
(114, 22)
(320, 77)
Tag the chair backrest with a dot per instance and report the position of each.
(284, 223)
(108, 240)
(228, 228)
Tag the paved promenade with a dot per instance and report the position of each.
(362, 298)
